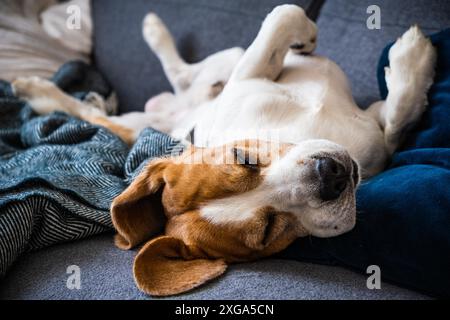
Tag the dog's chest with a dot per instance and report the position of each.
(308, 101)
(289, 110)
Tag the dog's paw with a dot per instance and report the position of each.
(95, 100)
(292, 20)
(154, 31)
(410, 74)
(412, 56)
(412, 42)
(28, 88)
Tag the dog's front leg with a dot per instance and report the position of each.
(45, 97)
(412, 60)
(287, 26)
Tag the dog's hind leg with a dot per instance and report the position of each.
(412, 60)
(45, 97)
(178, 72)
(286, 27)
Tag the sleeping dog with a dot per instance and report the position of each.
(285, 117)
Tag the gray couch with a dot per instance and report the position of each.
(202, 27)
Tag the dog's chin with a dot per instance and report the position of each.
(334, 229)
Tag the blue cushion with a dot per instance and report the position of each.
(403, 221)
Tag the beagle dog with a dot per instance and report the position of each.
(238, 202)
(279, 148)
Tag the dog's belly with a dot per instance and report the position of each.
(310, 100)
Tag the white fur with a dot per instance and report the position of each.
(272, 93)
(277, 94)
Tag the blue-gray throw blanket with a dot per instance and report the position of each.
(59, 174)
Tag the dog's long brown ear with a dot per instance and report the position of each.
(137, 213)
(167, 266)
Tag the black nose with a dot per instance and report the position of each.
(333, 178)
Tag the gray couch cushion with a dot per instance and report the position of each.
(200, 27)
(345, 38)
(106, 273)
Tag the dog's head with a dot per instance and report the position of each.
(239, 202)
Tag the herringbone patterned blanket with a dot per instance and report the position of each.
(58, 176)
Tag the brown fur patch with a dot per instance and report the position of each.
(167, 266)
(195, 250)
